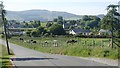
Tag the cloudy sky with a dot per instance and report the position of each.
(79, 7)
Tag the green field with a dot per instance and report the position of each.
(84, 47)
(4, 57)
(43, 24)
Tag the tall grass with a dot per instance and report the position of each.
(4, 57)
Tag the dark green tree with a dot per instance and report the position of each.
(41, 30)
(34, 33)
(91, 21)
(57, 29)
(36, 23)
(38, 32)
(86, 18)
(28, 32)
(26, 25)
(48, 24)
(73, 22)
(110, 22)
(55, 19)
(60, 20)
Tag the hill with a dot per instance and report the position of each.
(101, 16)
(43, 15)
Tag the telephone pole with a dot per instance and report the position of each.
(4, 21)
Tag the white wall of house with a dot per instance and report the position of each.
(87, 33)
(102, 31)
(72, 32)
(15, 33)
(63, 26)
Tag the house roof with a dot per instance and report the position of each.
(67, 24)
(81, 30)
(102, 30)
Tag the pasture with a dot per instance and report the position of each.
(84, 47)
(43, 24)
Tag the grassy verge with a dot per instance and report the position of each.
(5, 58)
(1, 29)
(85, 47)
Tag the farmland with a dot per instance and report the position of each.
(84, 47)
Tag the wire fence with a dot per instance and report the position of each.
(62, 42)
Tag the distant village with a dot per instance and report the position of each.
(87, 26)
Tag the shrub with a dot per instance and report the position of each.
(28, 33)
(2, 35)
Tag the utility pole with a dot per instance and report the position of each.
(112, 26)
(4, 22)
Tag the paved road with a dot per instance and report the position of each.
(28, 57)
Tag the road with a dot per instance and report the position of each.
(28, 57)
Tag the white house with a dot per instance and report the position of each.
(76, 31)
(102, 31)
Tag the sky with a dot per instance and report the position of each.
(78, 7)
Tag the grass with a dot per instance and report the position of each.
(5, 58)
(85, 47)
(1, 29)
(43, 24)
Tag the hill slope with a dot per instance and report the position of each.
(43, 15)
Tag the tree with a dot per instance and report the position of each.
(36, 24)
(41, 30)
(110, 22)
(34, 33)
(73, 22)
(48, 24)
(93, 23)
(28, 32)
(90, 21)
(57, 29)
(55, 19)
(60, 20)
(86, 18)
(26, 24)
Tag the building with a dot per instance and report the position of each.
(77, 31)
(18, 31)
(14, 31)
(105, 32)
(66, 25)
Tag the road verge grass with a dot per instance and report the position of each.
(5, 58)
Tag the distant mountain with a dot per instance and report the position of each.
(101, 16)
(43, 15)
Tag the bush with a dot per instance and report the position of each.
(46, 34)
(2, 35)
(28, 33)
(34, 33)
(57, 29)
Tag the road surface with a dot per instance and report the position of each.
(28, 57)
